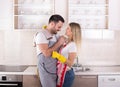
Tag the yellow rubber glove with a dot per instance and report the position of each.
(44, 26)
(60, 57)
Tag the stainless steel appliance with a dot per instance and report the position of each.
(10, 80)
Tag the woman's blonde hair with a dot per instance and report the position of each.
(76, 30)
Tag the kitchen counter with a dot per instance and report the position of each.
(94, 70)
(100, 70)
(31, 70)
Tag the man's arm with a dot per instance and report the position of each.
(47, 51)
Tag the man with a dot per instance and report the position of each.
(48, 41)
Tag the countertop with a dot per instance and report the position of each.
(94, 70)
(100, 70)
(31, 70)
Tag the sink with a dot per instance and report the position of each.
(81, 69)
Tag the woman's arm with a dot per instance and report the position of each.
(71, 58)
(62, 59)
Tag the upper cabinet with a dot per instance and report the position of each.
(90, 14)
(114, 14)
(32, 14)
(6, 15)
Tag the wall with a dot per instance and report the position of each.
(101, 50)
(98, 46)
(16, 47)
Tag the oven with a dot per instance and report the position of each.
(10, 84)
(11, 81)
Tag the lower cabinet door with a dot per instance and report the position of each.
(31, 81)
(85, 81)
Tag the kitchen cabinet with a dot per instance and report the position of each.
(114, 14)
(85, 81)
(32, 14)
(76, 82)
(31, 81)
(109, 81)
(90, 14)
(6, 15)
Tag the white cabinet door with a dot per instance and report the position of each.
(109, 81)
(90, 14)
(6, 15)
(32, 14)
(114, 14)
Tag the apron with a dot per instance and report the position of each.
(47, 69)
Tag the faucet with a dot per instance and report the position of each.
(79, 67)
(77, 60)
(77, 63)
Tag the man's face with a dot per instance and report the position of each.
(56, 27)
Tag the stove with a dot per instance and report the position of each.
(11, 80)
(9, 68)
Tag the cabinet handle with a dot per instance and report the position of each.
(86, 77)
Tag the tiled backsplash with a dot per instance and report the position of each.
(96, 49)
(17, 47)
(103, 50)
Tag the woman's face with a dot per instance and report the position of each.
(68, 31)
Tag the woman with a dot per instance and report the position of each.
(67, 54)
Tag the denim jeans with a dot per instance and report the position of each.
(69, 78)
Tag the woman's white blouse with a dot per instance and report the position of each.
(69, 48)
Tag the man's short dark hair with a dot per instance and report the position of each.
(56, 18)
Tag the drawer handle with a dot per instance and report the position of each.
(111, 79)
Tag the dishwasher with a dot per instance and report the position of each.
(109, 81)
